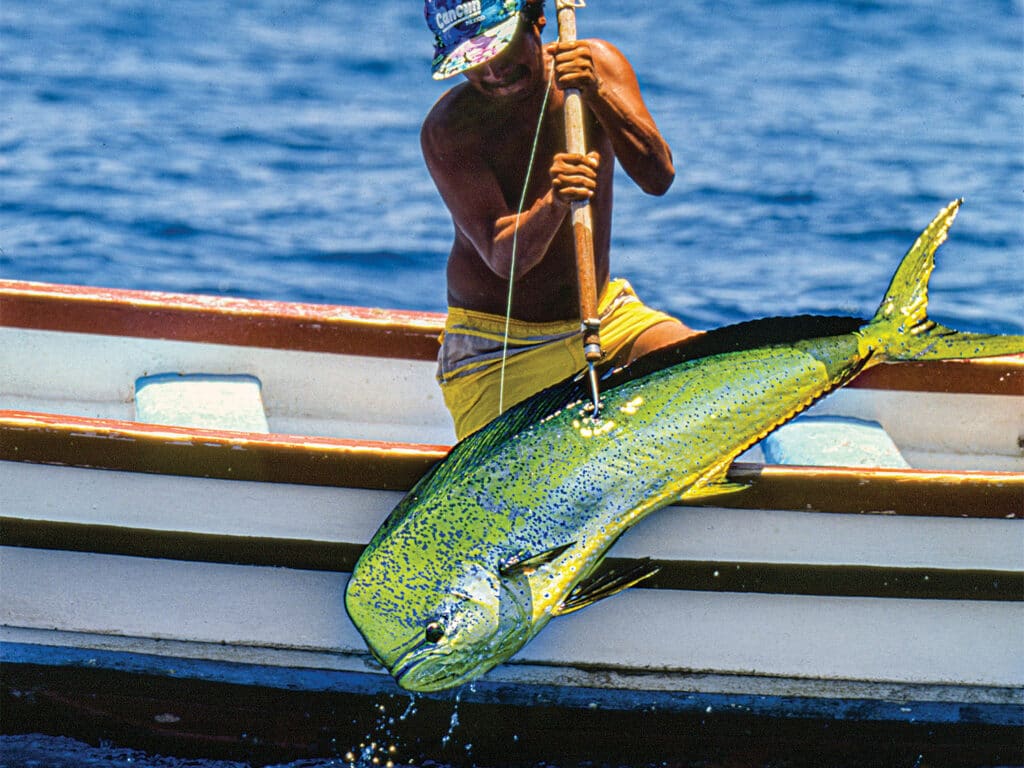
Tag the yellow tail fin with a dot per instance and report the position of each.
(901, 330)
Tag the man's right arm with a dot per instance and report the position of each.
(610, 90)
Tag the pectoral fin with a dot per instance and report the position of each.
(604, 585)
(523, 562)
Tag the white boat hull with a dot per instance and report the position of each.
(184, 553)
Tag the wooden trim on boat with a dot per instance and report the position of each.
(362, 331)
(221, 320)
(984, 376)
(129, 446)
(134, 447)
(913, 492)
(703, 576)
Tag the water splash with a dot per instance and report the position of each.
(409, 710)
(381, 747)
(454, 722)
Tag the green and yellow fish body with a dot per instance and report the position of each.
(503, 534)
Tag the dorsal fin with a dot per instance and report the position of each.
(733, 338)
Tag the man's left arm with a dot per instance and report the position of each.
(609, 88)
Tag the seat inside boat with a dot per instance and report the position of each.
(202, 400)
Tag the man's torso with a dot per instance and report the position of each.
(503, 139)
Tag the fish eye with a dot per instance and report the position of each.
(434, 632)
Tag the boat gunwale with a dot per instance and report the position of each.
(336, 329)
(386, 333)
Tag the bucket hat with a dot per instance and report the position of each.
(469, 32)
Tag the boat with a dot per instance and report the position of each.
(187, 481)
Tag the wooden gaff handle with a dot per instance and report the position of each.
(582, 222)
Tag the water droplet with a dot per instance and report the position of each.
(453, 724)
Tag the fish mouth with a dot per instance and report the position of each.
(431, 674)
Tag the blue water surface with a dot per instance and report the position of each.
(270, 149)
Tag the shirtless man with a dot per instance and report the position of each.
(477, 142)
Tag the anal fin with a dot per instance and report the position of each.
(602, 585)
(712, 482)
(711, 489)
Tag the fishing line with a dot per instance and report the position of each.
(515, 240)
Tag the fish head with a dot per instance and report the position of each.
(436, 622)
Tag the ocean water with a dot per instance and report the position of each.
(270, 149)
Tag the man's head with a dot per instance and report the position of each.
(468, 33)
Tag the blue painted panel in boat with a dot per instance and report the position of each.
(832, 441)
(524, 695)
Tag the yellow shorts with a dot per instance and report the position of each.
(469, 366)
